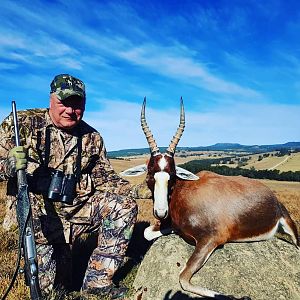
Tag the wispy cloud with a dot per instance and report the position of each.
(7, 66)
(167, 62)
(174, 61)
(234, 64)
(246, 124)
(243, 123)
(163, 124)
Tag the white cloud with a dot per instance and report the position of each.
(181, 66)
(8, 66)
(46, 46)
(70, 63)
(108, 51)
(119, 124)
(11, 39)
(175, 61)
(246, 124)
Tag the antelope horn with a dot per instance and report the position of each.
(179, 132)
(152, 144)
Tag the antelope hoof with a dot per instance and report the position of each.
(150, 233)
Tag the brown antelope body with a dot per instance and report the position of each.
(208, 210)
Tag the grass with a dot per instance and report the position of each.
(8, 255)
(292, 164)
(82, 250)
(282, 163)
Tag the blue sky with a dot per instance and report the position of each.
(235, 63)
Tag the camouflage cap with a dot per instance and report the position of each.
(65, 85)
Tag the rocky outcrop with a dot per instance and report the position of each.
(141, 191)
(263, 270)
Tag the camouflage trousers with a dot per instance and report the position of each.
(113, 218)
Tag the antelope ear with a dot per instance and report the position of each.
(185, 174)
(135, 171)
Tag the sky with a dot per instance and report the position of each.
(236, 64)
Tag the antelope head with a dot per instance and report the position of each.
(161, 169)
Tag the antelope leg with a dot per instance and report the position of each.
(200, 255)
(155, 231)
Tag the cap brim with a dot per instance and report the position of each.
(64, 96)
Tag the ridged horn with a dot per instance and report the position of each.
(172, 147)
(152, 144)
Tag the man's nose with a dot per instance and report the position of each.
(69, 109)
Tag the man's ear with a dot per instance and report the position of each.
(135, 171)
(185, 174)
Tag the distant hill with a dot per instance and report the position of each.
(215, 147)
(128, 152)
(246, 148)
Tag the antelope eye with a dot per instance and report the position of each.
(172, 175)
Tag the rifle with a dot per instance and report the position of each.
(27, 247)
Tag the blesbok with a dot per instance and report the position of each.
(207, 209)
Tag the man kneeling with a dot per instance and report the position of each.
(73, 189)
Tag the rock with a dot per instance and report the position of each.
(264, 270)
(10, 219)
(141, 191)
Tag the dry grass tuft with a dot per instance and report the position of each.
(291, 201)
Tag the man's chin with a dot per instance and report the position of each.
(68, 125)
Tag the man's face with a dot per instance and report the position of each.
(67, 114)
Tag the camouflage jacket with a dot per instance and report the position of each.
(97, 174)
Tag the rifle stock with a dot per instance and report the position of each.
(24, 216)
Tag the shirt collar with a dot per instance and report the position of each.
(48, 121)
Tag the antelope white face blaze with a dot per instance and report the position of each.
(162, 163)
(161, 205)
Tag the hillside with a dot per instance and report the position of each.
(283, 163)
(227, 147)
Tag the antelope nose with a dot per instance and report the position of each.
(160, 214)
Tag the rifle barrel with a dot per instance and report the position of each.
(27, 241)
(16, 125)
(21, 174)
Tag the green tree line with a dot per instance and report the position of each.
(196, 166)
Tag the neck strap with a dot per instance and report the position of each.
(79, 154)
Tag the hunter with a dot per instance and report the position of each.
(73, 189)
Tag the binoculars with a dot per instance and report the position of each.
(62, 187)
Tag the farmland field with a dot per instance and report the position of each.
(261, 161)
(282, 163)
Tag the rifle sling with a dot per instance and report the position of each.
(23, 206)
(78, 158)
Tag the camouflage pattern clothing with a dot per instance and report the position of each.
(103, 201)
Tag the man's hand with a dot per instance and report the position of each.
(16, 160)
